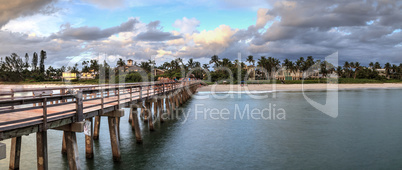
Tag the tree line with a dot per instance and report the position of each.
(15, 68)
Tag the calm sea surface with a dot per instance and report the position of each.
(367, 134)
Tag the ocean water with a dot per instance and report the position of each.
(264, 131)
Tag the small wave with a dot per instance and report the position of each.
(235, 92)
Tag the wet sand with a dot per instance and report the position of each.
(298, 87)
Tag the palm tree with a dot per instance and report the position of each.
(274, 65)
(357, 68)
(190, 63)
(377, 65)
(179, 60)
(289, 65)
(271, 64)
(165, 65)
(324, 69)
(174, 64)
(226, 62)
(214, 59)
(250, 59)
(339, 71)
(301, 65)
(236, 63)
(205, 66)
(371, 65)
(197, 64)
(120, 63)
(387, 67)
(75, 69)
(309, 62)
(346, 67)
(394, 70)
(146, 66)
(94, 66)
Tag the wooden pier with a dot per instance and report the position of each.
(74, 109)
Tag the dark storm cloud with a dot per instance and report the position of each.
(154, 33)
(359, 30)
(11, 9)
(362, 30)
(57, 51)
(156, 36)
(93, 33)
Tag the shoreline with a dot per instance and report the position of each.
(249, 87)
(297, 87)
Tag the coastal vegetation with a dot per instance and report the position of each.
(16, 69)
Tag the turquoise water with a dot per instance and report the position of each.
(367, 134)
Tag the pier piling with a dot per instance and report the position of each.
(135, 124)
(114, 141)
(41, 150)
(15, 153)
(96, 127)
(72, 150)
(89, 148)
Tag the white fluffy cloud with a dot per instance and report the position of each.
(204, 43)
(359, 30)
(110, 4)
(187, 25)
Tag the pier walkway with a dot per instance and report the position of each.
(78, 108)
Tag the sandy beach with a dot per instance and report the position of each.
(299, 87)
(251, 87)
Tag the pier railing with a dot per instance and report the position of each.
(77, 102)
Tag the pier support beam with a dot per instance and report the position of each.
(177, 99)
(134, 123)
(89, 143)
(114, 138)
(160, 109)
(2, 151)
(72, 150)
(130, 117)
(73, 127)
(156, 104)
(15, 153)
(70, 142)
(148, 111)
(167, 105)
(172, 101)
(41, 150)
(181, 97)
(113, 131)
(118, 126)
(96, 127)
(64, 146)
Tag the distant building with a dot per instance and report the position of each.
(158, 72)
(129, 62)
(67, 76)
(130, 67)
(381, 72)
(251, 72)
(284, 74)
(87, 76)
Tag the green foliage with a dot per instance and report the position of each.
(133, 77)
(14, 69)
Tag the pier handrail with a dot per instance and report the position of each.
(83, 95)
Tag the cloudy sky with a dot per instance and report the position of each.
(75, 30)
